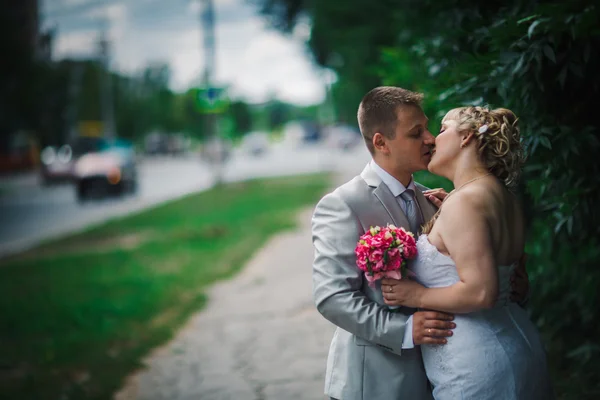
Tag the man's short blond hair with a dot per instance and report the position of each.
(378, 111)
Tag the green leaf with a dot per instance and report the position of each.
(562, 77)
(519, 65)
(532, 28)
(586, 351)
(549, 52)
(570, 225)
(527, 19)
(544, 141)
(576, 69)
(586, 52)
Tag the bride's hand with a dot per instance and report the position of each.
(436, 196)
(405, 292)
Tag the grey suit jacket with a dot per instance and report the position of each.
(366, 360)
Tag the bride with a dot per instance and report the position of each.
(465, 256)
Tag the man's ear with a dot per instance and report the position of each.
(379, 143)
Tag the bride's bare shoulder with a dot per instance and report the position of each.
(474, 197)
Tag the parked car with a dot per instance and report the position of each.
(312, 131)
(255, 143)
(216, 151)
(166, 144)
(110, 171)
(19, 151)
(57, 163)
(301, 132)
(156, 143)
(177, 144)
(343, 137)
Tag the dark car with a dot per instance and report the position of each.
(58, 162)
(312, 131)
(110, 171)
(156, 144)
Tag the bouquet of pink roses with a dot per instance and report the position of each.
(383, 252)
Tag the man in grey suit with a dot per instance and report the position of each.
(373, 354)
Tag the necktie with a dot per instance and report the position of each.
(413, 214)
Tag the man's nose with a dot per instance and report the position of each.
(429, 138)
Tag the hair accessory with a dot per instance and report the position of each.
(483, 129)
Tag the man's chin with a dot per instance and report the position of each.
(426, 163)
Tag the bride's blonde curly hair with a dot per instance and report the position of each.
(499, 146)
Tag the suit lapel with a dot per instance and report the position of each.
(426, 207)
(385, 196)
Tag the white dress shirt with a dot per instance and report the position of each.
(397, 189)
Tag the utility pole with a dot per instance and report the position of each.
(207, 21)
(76, 74)
(106, 100)
(208, 24)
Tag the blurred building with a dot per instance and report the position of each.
(23, 48)
(21, 22)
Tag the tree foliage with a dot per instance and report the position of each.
(537, 58)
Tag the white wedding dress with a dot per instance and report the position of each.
(494, 354)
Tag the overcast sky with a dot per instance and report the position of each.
(255, 60)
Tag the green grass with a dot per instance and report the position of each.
(78, 314)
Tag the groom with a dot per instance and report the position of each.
(373, 354)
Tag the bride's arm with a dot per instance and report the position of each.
(465, 231)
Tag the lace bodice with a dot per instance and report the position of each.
(434, 269)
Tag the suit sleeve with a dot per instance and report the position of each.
(337, 281)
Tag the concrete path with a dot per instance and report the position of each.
(259, 338)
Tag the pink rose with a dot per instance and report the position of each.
(377, 241)
(393, 252)
(387, 238)
(402, 235)
(410, 251)
(367, 240)
(362, 251)
(362, 264)
(376, 256)
(380, 266)
(395, 264)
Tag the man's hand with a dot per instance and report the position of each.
(436, 196)
(432, 327)
(519, 282)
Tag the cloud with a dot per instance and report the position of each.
(114, 16)
(76, 44)
(272, 63)
(253, 60)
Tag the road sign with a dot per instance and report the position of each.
(212, 100)
(91, 128)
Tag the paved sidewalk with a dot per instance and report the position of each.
(259, 338)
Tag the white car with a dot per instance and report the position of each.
(342, 137)
(111, 171)
(255, 143)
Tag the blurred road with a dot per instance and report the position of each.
(30, 213)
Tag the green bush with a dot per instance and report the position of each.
(538, 58)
